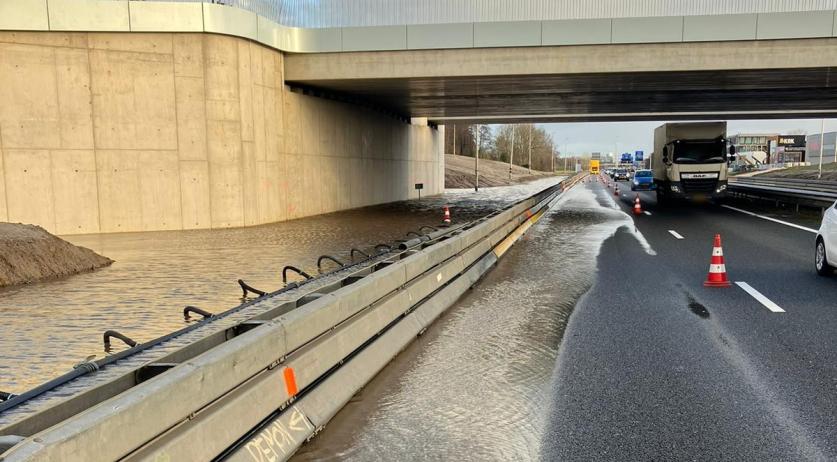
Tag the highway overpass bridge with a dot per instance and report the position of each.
(132, 116)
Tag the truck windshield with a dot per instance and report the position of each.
(699, 152)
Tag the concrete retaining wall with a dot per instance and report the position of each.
(110, 132)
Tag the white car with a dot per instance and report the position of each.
(825, 256)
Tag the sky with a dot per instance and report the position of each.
(586, 137)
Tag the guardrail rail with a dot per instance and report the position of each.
(268, 382)
(815, 193)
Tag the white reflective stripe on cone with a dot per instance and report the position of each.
(717, 268)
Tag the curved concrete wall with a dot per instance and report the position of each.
(107, 132)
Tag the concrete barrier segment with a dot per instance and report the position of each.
(315, 359)
(176, 397)
(320, 404)
(324, 401)
(110, 430)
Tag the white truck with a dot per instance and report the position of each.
(690, 161)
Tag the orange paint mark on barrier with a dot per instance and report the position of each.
(290, 381)
(528, 213)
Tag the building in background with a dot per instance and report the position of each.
(754, 148)
(813, 142)
(789, 149)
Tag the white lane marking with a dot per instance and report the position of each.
(674, 233)
(803, 228)
(647, 213)
(761, 298)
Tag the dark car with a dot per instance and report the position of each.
(643, 181)
(621, 174)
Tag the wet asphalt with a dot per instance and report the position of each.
(654, 366)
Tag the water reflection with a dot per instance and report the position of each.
(476, 385)
(45, 328)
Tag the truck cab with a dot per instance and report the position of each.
(690, 161)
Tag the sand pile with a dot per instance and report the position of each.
(28, 253)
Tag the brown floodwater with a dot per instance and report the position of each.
(47, 327)
(476, 385)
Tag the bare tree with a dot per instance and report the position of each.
(542, 146)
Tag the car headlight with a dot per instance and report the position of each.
(675, 188)
(721, 188)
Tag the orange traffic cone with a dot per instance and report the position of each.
(616, 191)
(446, 220)
(717, 270)
(637, 206)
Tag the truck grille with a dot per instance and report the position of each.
(699, 185)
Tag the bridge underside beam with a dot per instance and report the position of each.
(669, 81)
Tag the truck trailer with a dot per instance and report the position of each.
(690, 161)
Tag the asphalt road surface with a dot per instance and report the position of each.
(655, 366)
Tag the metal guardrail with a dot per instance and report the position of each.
(798, 191)
(303, 360)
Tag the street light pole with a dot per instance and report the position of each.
(511, 156)
(477, 162)
(530, 149)
(822, 146)
(454, 139)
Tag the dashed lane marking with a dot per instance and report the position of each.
(647, 213)
(761, 298)
(746, 212)
(675, 234)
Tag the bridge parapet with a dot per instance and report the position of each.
(178, 16)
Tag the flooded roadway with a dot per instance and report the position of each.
(476, 386)
(47, 327)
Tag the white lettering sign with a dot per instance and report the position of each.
(698, 175)
(277, 440)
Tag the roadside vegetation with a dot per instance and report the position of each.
(495, 151)
(459, 173)
(496, 143)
